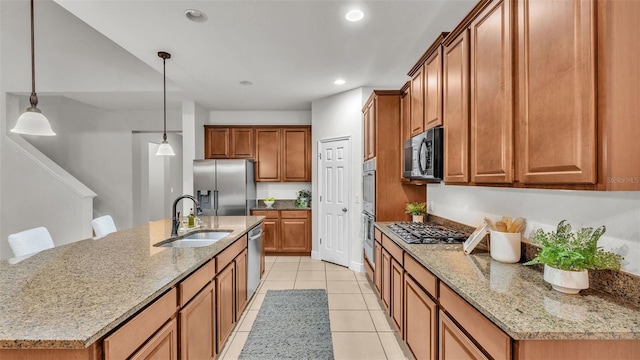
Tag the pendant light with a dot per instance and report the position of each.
(32, 122)
(165, 149)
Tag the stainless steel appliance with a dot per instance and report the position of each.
(427, 233)
(368, 207)
(424, 161)
(253, 260)
(224, 187)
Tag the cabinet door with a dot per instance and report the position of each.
(417, 99)
(242, 143)
(556, 97)
(163, 346)
(270, 235)
(456, 110)
(296, 155)
(420, 321)
(370, 131)
(433, 90)
(405, 127)
(397, 295)
(225, 309)
(268, 154)
(217, 143)
(377, 272)
(241, 283)
(365, 134)
(454, 344)
(197, 330)
(386, 280)
(294, 234)
(492, 95)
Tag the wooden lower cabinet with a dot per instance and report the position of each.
(377, 272)
(225, 307)
(163, 346)
(454, 344)
(197, 330)
(420, 321)
(241, 283)
(397, 297)
(286, 232)
(386, 280)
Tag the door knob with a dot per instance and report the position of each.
(344, 209)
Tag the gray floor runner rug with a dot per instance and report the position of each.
(291, 324)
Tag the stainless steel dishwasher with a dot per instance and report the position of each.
(253, 260)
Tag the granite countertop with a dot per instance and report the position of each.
(519, 301)
(279, 205)
(70, 296)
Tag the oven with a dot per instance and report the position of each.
(425, 157)
(367, 222)
(368, 207)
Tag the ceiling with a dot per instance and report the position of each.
(292, 51)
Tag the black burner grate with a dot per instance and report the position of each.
(426, 233)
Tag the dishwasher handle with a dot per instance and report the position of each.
(254, 237)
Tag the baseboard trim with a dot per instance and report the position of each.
(356, 266)
(315, 255)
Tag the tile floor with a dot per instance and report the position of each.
(359, 326)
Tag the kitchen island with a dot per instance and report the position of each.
(505, 311)
(72, 296)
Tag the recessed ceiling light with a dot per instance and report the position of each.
(195, 15)
(354, 15)
(339, 82)
(246, 83)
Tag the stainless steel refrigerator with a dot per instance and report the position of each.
(224, 187)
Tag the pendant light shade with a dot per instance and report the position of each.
(165, 149)
(32, 122)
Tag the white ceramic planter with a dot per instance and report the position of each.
(418, 218)
(568, 282)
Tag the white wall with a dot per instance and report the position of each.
(618, 211)
(265, 189)
(337, 116)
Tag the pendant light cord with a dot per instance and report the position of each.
(164, 76)
(33, 99)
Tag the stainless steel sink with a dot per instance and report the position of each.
(198, 239)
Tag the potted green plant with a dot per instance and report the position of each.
(417, 210)
(304, 198)
(567, 256)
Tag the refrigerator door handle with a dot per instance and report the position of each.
(215, 199)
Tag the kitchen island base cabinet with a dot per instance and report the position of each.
(420, 322)
(454, 344)
(197, 330)
(163, 346)
(241, 283)
(226, 312)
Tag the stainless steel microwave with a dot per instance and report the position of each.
(423, 156)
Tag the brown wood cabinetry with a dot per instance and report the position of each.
(286, 232)
(386, 279)
(454, 344)
(417, 102)
(377, 272)
(241, 283)
(162, 346)
(433, 88)
(369, 138)
(557, 88)
(216, 143)
(197, 326)
(242, 143)
(225, 308)
(283, 154)
(420, 320)
(405, 125)
(397, 295)
(492, 98)
(268, 154)
(456, 109)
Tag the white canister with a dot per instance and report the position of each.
(505, 247)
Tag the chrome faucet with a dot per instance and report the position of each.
(175, 215)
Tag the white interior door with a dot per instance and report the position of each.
(334, 195)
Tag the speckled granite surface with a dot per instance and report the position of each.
(279, 205)
(519, 301)
(72, 295)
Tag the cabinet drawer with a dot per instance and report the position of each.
(377, 234)
(393, 249)
(494, 341)
(189, 287)
(227, 255)
(269, 214)
(294, 214)
(422, 276)
(130, 336)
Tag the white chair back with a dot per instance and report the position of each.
(30, 241)
(103, 226)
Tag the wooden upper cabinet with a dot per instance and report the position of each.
(456, 109)
(268, 154)
(491, 95)
(217, 142)
(557, 82)
(433, 90)
(405, 113)
(369, 130)
(242, 143)
(296, 150)
(417, 102)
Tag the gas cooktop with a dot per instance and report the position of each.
(426, 233)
